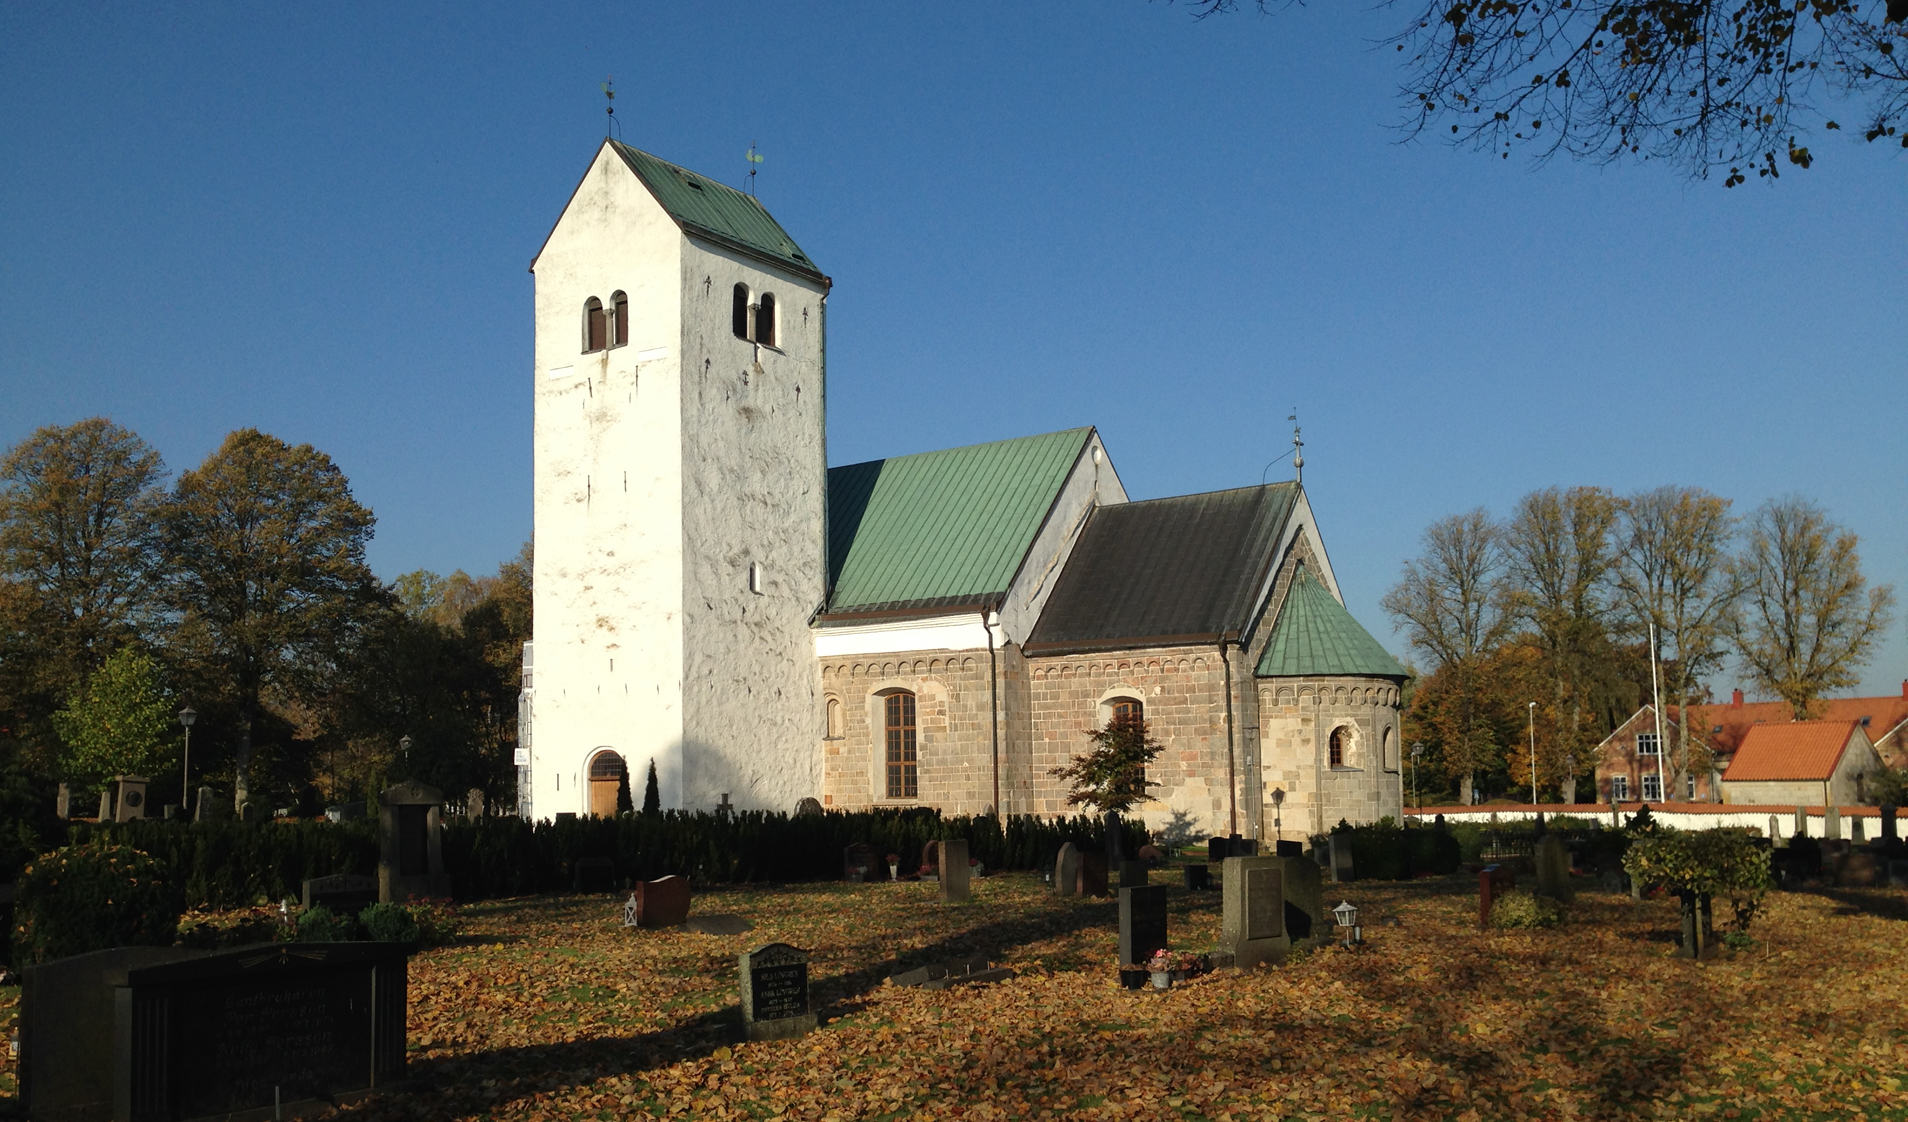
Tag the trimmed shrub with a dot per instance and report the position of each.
(388, 923)
(223, 865)
(91, 898)
(1387, 851)
(320, 924)
(241, 927)
(1722, 862)
(437, 921)
(1525, 910)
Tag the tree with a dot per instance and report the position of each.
(1450, 603)
(77, 543)
(652, 794)
(1111, 777)
(1674, 573)
(1809, 619)
(120, 723)
(265, 547)
(1704, 84)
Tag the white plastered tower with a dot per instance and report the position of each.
(680, 484)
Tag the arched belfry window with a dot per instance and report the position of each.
(1127, 709)
(1341, 746)
(903, 765)
(739, 312)
(833, 728)
(619, 316)
(595, 326)
(765, 320)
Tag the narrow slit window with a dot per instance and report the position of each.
(740, 312)
(903, 771)
(595, 327)
(757, 579)
(834, 719)
(765, 320)
(619, 335)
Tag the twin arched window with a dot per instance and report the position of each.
(604, 328)
(752, 319)
(904, 780)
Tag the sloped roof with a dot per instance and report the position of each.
(1183, 569)
(1796, 750)
(1885, 714)
(717, 212)
(939, 529)
(1315, 636)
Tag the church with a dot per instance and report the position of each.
(940, 629)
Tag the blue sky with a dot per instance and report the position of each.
(317, 219)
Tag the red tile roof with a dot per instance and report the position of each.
(1884, 714)
(1797, 750)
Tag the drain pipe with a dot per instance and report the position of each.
(1232, 770)
(993, 704)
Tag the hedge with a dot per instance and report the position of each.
(89, 898)
(1387, 851)
(234, 864)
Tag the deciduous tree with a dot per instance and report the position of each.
(120, 723)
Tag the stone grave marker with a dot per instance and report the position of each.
(63, 803)
(1252, 926)
(954, 972)
(345, 812)
(954, 869)
(1283, 848)
(858, 861)
(1492, 881)
(1132, 874)
(1217, 850)
(1889, 835)
(1341, 859)
(931, 859)
(1198, 878)
(1801, 822)
(719, 924)
(1093, 873)
(1302, 882)
(1856, 829)
(807, 806)
(1772, 829)
(345, 894)
(662, 903)
(1898, 873)
(1553, 870)
(207, 808)
(164, 1032)
(1857, 870)
(411, 844)
(1142, 923)
(1832, 823)
(105, 806)
(474, 803)
(775, 993)
(1066, 871)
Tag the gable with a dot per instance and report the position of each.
(1798, 750)
(941, 529)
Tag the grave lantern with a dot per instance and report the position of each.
(629, 911)
(1347, 918)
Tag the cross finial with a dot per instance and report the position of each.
(1298, 446)
(609, 106)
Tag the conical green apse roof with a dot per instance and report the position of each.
(1315, 637)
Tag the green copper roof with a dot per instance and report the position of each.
(941, 528)
(716, 212)
(1315, 636)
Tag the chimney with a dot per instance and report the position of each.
(1904, 687)
(1735, 699)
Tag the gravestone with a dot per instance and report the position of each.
(1858, 870)
(63, 803)
(1341, 859)
(593, 874)
(1252, 928)
(1492, 881)
(1198, 878)
(1698, 937)
(105, 807)
(954, 870)
(164, 1032)
(1142, 923)
(345, 812)
(663, 902)
(251, 812)
(1066, 871)
(1303, 885)
(1898, 873)
(775, 993)
(954, 972)
(719, 924)
(1832, 823)
(931, 859)
(344, 895)
(1237, 846)
(173, 813)
(858, 862)
(1217, 850)
(807, 806)
(1553, 870)
(1857, 829)
(1283, 848)
(1153, 855)
(1889, 836)
(1132, 874)
(1093, 873)
(474, 803)
(1801, 822)
(411, 844)
(1772, 829)
(208, 808)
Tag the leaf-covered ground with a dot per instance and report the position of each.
(549, 1009)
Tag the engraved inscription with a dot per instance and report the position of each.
(1264, 904)
(776, 992)
(306, 1034)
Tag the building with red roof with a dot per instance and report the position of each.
(1830, 762)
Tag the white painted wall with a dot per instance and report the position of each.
(1091, 483)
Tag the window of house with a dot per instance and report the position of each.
(1646, 744)
(595, 327)
(1652, 788)
(619, 320)
(1340, 746)
(833, 728)
(765, 320)
(1126, 709)
(1689, 787)
(903, 774)
(739, 312)
(1619, 788)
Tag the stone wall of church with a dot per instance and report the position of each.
(1296, 721)
(953, 738)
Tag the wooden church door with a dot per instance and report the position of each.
(606, 777)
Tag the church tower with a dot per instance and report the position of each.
(680, 482)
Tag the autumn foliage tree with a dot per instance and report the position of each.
(1111, 777)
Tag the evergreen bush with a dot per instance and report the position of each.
(1525, 910)
(91, 898)
(388, 923)
(231, 864)
(321, 925)
(1385, 850)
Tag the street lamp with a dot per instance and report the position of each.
(1278, 817)
(404, 749)
(186, 717)
(1417, 750)
(1533, 753)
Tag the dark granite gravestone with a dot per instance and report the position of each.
(1217, 850)
(954, 870)
(1492, 881)
(1132, 874)
(1198, 878)
(593, 874)
(1553, 870)
(1341, 859)
(151, 1034)
(1889, 836)
(1237, 846)
(1093, 873)
(1066, 871)
(1283, 848)
(859, 863)
(1142, 923)
(344, 895)
(1252, 915)
(410, 844)
(662, 903)
(931, 858)
(1303, 884)
(775, 992)
(207, 807)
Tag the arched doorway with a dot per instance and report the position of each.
(606, 779)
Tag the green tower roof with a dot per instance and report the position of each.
(717, 212)
(1315, 636)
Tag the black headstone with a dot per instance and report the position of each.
(1888, 834)
(775, 992)
(1142, 923)
(1198, 878)
(1289, 849)
(343, 895)
(859, 862)
(1217, 850)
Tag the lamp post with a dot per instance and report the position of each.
(404, 750)
(186, 717)
(1417, 750)
(1278, 816)
(1532, 710)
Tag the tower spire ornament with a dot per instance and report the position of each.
(1298, 446)
(609, 108)
(755, 160)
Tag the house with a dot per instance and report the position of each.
(1827, 763)
(1627, 759)
(940, 629)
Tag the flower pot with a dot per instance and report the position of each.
(894, 872)
(1162, 979)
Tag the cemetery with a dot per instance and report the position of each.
(1369, 973)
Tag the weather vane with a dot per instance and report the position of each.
(755, 160)
(609, 96)
(1298, 449)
